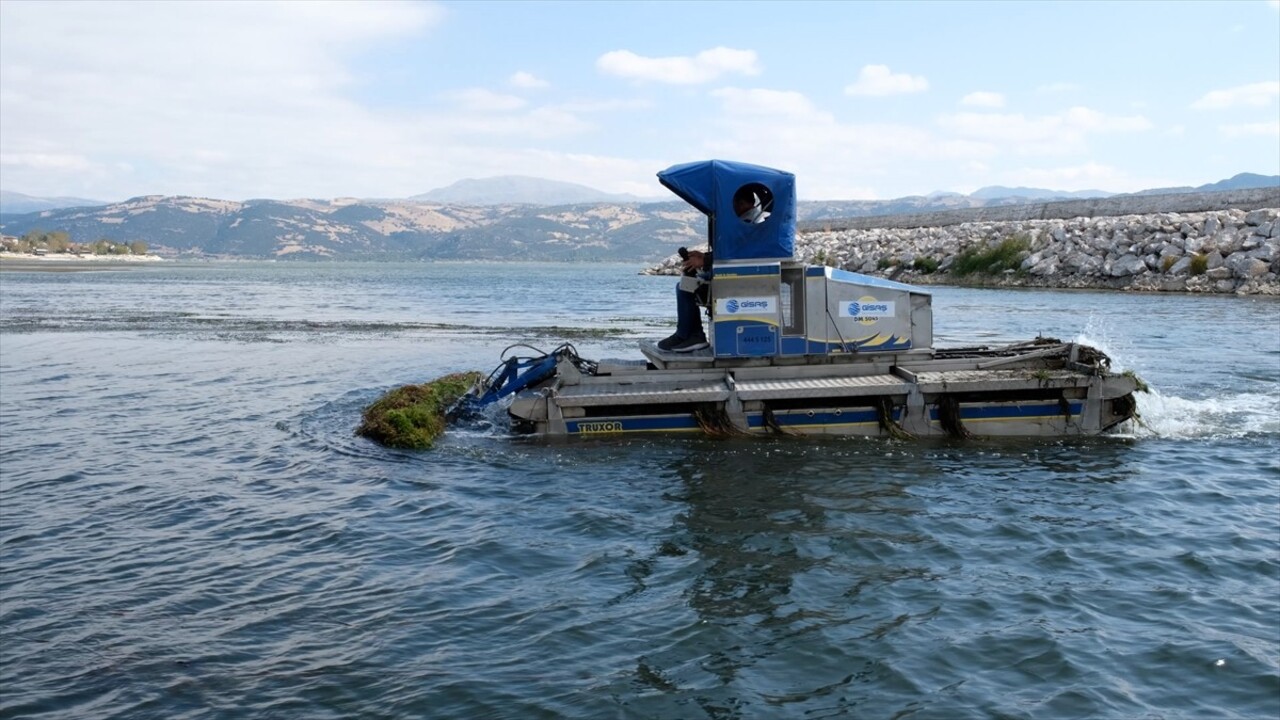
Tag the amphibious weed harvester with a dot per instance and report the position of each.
(799, 348)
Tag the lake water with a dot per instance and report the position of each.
(189, 528)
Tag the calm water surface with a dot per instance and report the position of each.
(189, 529)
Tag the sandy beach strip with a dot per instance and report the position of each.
(67, 262)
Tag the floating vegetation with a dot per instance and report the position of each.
(413, 416)
(1140, 385)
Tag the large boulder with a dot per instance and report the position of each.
(1258, 217)
(1229, 241)
(1047, 267)
(1127, 265)
(1243, 266)
(1269, 250)
(1081, 263)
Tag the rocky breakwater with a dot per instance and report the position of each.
(1220, 251)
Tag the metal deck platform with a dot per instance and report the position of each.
(822, 387)
(673, 360)
(994, 380)
(641, 393)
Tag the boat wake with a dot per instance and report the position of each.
(1230, 416)
(1169, 416)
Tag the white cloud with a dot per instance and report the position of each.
(1087, 176)
(266, 84)
(237, 100)
(835, 159)
(599, 171)
(1094, 121)
(701, 68)
(1262, 129)
(527, 81)
(245, 99)
(482, 100)
(983, 99)
(45, 161)
(491, 123)
(766, 102)
(878, 80)
(1042, 135)
(1255, 95)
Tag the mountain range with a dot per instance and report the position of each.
(15, 203)
(474, 219)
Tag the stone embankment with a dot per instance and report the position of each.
(1214, 251)
(1117, 205)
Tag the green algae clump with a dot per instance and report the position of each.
(413, 416)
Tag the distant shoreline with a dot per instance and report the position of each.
(67, 262)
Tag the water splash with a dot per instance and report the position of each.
(1098, 333)
(1228, 416)
(489, 421)
(1169, 416)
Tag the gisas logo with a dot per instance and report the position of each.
(731, 305)
(867, 310)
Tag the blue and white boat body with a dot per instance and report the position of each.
(808, 349)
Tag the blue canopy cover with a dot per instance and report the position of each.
(711, 185)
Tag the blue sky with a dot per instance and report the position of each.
(861, 100)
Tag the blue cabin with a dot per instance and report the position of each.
(763, 304)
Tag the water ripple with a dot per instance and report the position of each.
(190, 529)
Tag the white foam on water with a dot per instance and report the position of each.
(1170, 416)
(1227, 416)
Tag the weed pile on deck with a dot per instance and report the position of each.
(412, 416)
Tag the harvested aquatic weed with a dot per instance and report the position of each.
(413, 416)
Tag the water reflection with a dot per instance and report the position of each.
(744, 518)
(790, 545)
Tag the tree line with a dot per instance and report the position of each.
(60, 241)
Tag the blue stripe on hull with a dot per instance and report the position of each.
(817, 418)
(1014, 411)
(810, 420)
